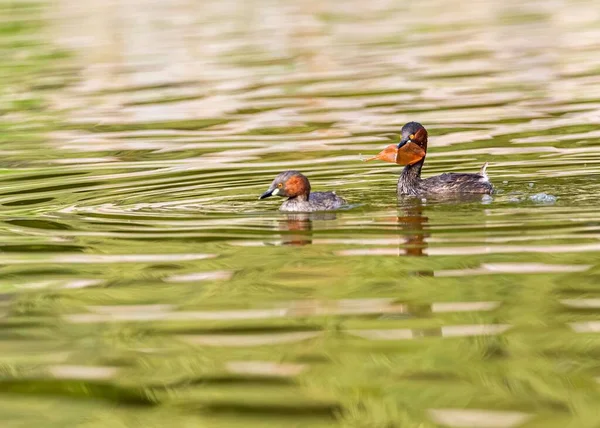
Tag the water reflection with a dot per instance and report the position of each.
(412, 224)
(444, 331)
(135, 239)
(297, 228)
(479, 418)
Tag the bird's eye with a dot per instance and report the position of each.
(280, 185)
(412, 136)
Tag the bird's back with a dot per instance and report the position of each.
(317, 201)
(456, 183)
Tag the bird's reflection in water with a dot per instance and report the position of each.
(411, 222)
(411, 225)
(297, 227)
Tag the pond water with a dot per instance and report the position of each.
(144, 284)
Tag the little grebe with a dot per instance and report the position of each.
(296, 188)
(411, 151)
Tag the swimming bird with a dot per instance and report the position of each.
(411, 152)
(296, 187)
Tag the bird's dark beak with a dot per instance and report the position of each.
(402, 142)
(266, 194)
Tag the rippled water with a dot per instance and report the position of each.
(143, 283)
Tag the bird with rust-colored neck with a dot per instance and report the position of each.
(296, 187)
(411, 151)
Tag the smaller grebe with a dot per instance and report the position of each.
(411, 151)
(296, 188)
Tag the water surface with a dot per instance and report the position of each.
(143, 283)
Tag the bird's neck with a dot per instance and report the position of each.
(410, 178)
(303, 197)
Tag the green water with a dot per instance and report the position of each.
(143, 284)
